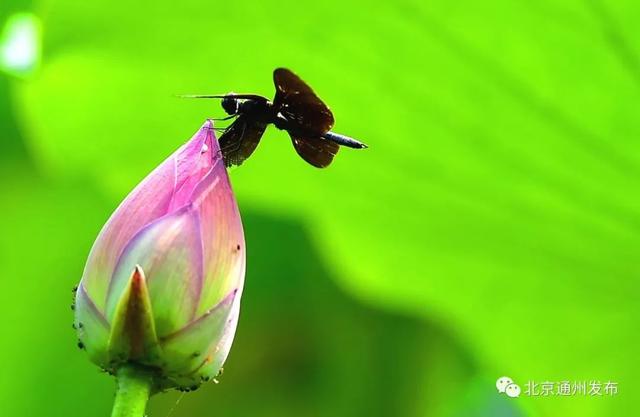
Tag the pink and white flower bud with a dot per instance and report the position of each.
(163, 281)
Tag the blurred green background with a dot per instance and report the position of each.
(492, 228)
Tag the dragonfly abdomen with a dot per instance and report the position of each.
(343, 140)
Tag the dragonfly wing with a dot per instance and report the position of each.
(316, 151)
(240, 139)
(297, 103)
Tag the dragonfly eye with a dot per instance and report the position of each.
(230, 104)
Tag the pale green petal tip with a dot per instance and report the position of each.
(92, 328)
(191, 352)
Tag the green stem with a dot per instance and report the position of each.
(132, 392)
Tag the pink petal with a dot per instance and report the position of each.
(193, 166)
(169, 251)
(163, 191)
(218, 352)
(222, 236)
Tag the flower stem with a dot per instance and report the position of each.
(132, 391)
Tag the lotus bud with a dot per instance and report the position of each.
(161, 288)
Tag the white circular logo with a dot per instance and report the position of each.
(502, 383)
(513, 390)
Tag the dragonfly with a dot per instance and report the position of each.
(295, 109)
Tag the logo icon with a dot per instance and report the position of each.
(505, 385)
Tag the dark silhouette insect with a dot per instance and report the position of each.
(295, 108)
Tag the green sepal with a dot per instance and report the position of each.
(133, 334)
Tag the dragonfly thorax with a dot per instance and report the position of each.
(259, 109)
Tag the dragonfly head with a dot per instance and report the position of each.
(230, 104)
